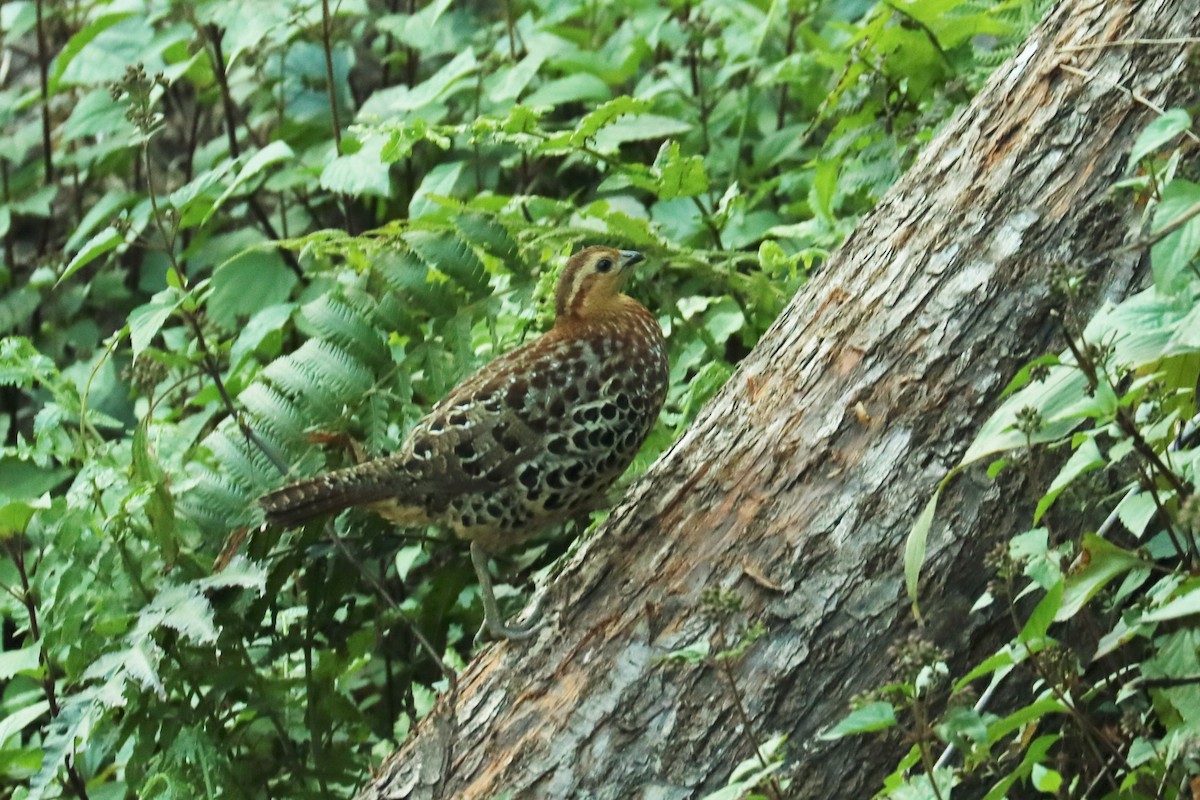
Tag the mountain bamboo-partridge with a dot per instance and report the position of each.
(533, 438)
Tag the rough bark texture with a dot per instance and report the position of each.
(785, 492)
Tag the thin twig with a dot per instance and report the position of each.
(1133, 94)
(44, 86)
(1130, 43)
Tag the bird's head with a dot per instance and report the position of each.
(590, 283)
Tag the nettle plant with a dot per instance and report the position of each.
(1105, 667)
(247, 238)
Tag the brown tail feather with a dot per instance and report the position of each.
(301, 501)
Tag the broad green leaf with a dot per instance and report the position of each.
(513, 80)
(1184, 605)
(416, 30)
(15, 662)
(104, 209)
(1164, 129)
(360, 174)
(439, 181)
(145, 321)
(97, 115)
(872, 717)
(24, 479)
(271, 154)
(19, 720)
(98, 245)
(605, 115)
(1103, 562)
(581, 86)
(97, 64)
(1043, 614)
(1023, 716)
(1135, 512)
(400, 99)
(1170, 257)
(963, 725)
(1087, 457)
(246, 283)
(15, 514)
(638, 128)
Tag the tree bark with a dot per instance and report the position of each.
(798, 485)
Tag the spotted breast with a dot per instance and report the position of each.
(533, 438)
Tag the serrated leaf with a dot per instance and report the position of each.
(679, 175)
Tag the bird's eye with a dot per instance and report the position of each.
(604, 265)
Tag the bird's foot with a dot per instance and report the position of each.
(494, 626)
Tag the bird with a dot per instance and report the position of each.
(534, 438)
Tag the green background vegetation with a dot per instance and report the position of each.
(239, 236)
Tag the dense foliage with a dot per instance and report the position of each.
(248, 237)
(1101, 678)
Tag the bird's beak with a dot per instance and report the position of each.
(630, 257)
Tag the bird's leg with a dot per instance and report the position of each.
(493, 624)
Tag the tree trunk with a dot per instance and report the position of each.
(798, 485)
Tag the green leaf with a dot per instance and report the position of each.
(16, 514)
(273, 153)
(1043, 614)
(16, 662)
(605, 115)
(1135, 512)
(914, 546)
(963, 726)
(639, 128)
(20, 719)
(1170, 257)
(98, 245)
(679, 175)
(246, 283)
(24, 479)
(96, 63)
(1104, 562)
(581, 86)
(872, 717)
(180, 608)
(451, 256)
(439, 181)
(145, 321)
(1158, 133)
(1183, 605)
(512, 81)
(1037, 752)
(1087, 457)
(361, 174)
